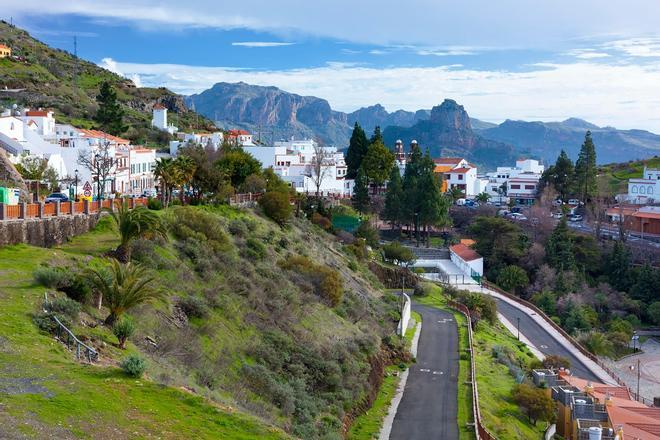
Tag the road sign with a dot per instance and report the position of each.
(87, 186)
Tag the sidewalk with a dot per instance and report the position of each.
(590, 364)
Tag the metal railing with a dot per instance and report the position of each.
(67, 337)
(572, 340)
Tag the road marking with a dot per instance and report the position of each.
(445, 320)
(438, 372)
(543, 346)
(424, 370)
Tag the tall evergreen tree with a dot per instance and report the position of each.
(360, 197)
(585, 169)
(559, 249)
(411, 195)
(393, 211)
(377, 136)
(561, 175)
(357, 148)
(377, 163)
(617, 266)
(110, 115)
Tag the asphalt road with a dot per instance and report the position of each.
(542, 339)
(428, 409)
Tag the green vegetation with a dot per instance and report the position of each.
(615, 176)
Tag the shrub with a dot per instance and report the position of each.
(276, 206)
(64, 306)
(327, 281)
(536, 402)
(123, 329)
(194, 306)
(397, 253)
(238, 228)
(556, 361)
(154, 204)
(77, 288)
(423, 289)
(369, 233)
(50, 277)
(189, 222)
(255, 248)
(134, 365)
(321, 221)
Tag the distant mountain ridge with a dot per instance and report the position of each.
(271, 113)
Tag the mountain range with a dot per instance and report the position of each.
(271, 114)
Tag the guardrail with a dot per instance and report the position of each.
(56, 209)
(480, 431)
(66, 336)
(572, 340)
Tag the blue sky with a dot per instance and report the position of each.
(542, 60)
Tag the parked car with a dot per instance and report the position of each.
(558, 202)
(56, 197)
(149, 193)
(503, 212)
(575, 218)
(516, 209)
(573, 202)
(557, 215)
(517, 216)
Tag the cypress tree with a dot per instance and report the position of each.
(585, 169)
(559, 250)
(110, 115)
(377, 136)
(360, 197)
(357, 149)
(393, 211)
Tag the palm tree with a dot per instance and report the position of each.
(134, 223)
(482, 197)
(124, 286)
(185, 170)
(455, 193)
(166, 171)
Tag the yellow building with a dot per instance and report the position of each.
(5, 51)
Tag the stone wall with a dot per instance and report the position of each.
(46, 232)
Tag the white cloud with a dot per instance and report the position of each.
(261, 43)
(637, 47)
(587, 54)
(425, 22)
(593, 91)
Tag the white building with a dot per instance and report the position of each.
(204, 139)
(241, 137)
(527, 173)
(645, 190)
(467, 260)
(40, 121)
(159, 119)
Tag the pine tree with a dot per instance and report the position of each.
(393, 211)
(357, 148)
(110, 115)
(559, 250)
(377, 163)
(377, 136)
(360, 197)
(411, 196)
(617, 266)
(585, 169)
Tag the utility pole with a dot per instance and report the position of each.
(518, 328)
(638, 375)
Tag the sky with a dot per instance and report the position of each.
(508, 59)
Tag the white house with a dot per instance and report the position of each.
(464, 178)
(159, 119)
(241, 137)
(529, 172)
(40, 121)
(645, 190)
(204, 139)
(467, 260)
(522, 189)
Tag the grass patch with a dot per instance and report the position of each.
(501, 416)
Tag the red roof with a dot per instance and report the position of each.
(97, 134)
(238, 133)
(451, 160)
(651, 215)
(460, 170)
(42, 113)
(159, 106)
(3, 46)
(464, 252)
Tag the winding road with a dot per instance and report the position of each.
(539, 336)
(428, 409)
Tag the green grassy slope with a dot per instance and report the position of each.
(266, 344)
(53, 78)
(614, 177)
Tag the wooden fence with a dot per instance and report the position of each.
(480, 430)
(54, 209)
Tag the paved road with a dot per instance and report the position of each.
(542, 339)
(428, 409)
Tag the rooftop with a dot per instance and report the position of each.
(448, 160)
(464, 252)
(460, 170)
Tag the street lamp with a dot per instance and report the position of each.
(75, 197)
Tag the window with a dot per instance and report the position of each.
(642, 189)
(460, 177)
(634, 189)
(515, 186)
(530, 187)
(650, 191)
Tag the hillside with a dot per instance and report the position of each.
(547, 139)
(614, 177)
(448, 132)
(53, 78)
(239, 332)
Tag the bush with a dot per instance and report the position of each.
(123, 329)
(369, 233)
(194, 306)
(276, 206)
(50, 276)
(396, 253)
(555, 362)
(321, 221)
(536, 402)
(64, 306)
(134, 365)
(423, 289)
(189, 222)
(255, 249)
(154, 204)
(238, 228)
(77, 289)
(327, 281)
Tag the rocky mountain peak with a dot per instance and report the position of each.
(450, 116)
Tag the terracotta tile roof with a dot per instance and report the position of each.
(238, 133)
(448, 160)
(159, 106)
(652, 215)
(97, 134)
(442, 168)
(2, 46)
(42, 113)
(467, 241)
(464, 252)
(460, 170)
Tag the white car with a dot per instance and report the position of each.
(575, 218)
(517, 216)
(573, 202)
(557, 215)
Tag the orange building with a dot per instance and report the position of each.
(5, 51)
